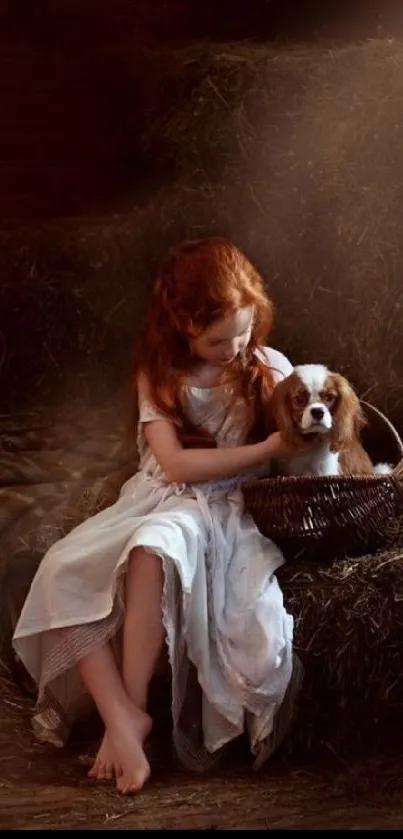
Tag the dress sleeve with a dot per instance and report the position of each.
(148, 412)
(279, 363)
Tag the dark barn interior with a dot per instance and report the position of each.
(127, 126)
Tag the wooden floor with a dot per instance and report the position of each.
(41, 787)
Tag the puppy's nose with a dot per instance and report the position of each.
(317, 413)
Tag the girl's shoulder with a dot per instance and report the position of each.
(277, 361)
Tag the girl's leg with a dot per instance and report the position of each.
(143, 630)
(126, 727)
(122, 702)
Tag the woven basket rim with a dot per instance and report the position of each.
(329, 480)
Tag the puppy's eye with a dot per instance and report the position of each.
(329, 398)
(300, 399)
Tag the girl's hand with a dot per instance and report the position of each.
(276, 447)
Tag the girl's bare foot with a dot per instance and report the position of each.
(121, 753)
(103, 767)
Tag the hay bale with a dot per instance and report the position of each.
(292, 152)
(349, 635)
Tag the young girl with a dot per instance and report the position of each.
(176, 557)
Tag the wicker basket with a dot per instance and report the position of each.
(323, 518)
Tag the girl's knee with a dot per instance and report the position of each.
(141, 558)
(144, 574)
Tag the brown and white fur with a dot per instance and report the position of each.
(315, 404)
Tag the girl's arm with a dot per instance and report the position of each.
(192, 465)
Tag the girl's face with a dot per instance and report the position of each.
(225, 339)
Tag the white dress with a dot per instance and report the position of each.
(223, 608)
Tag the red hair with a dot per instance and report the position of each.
(199, 283)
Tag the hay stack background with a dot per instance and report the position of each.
(295, 154)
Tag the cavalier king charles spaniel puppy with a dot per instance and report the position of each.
(316, 406)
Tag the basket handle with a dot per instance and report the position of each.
(398, 471)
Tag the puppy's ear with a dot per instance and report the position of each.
(282, 413)
(349, 418)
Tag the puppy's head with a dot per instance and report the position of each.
(315, 402)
